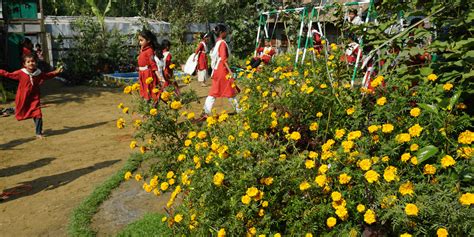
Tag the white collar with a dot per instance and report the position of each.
(31, 74)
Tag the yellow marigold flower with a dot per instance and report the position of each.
(465, 152)
(254, 135)
(133, 144)
(120, 106)
(202, 135)
(333, 46)
(387, 128)
(390, 174)
(127, 90)
(120, 123)
(360, 208)
(164, 219)
(371, 176)
(295, 136)
(406, 189)
(381, 101)
(339, 133)
(377, 81)
(350, 111)
(308, 235)
(466, 137)
(181, 157)
(414, 160)
(344, 178)
(373, 128)
(385, 159)
(429, 169)
(149, 80)
(231, 138)
(165, 96)
(403, 137)
(323, 86)
(135, 87)
(447, 161)
(415, 112)
(341, 212)
(176, 105)
(320, 180)
(414, 147)
(313, 127)
(415, 130)
(192, 134)
(218, 178)
(405, 157)
(411, 209)
(253, 230)
(432, 77)
(138, 177)
(309, 164)
(178, 218)
(188, 143)
(252, 192)
(304, 185)
(319, 114)
(354, 135)
(312, 155)
(331, 222)
(221, 233)
(467, 199)
(153, 112)
(347, 145)
(336, 196)
(142, 149)
(156, 192)
(442, 232)
(405, 235)
(365, 164)
(369, 217)
(172, 66)
(261, 212)
(323, 169)
(128, 175)
(448, 86)
(164, 186)
(286, 129)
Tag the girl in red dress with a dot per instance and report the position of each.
(222, 81)
(148, 73)
(200, 54)
(27, 100)
(168, 66)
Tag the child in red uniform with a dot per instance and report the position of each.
(167, 68)
(27, 47)
(222, 84)
(264, 54)
(148, 70)
(27, 98)
(200, 54)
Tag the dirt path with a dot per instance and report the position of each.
(52, 176)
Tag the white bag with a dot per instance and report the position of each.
(190, 65)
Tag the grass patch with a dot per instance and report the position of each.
(81, 218)
(150, 225)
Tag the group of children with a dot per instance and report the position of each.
(155, 73)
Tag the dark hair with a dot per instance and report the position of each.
(219, 29)
(353, 11)
(148, 35)
(166, 44)
(37, 45)
(26, 41)
(27, 56)
(415, 20)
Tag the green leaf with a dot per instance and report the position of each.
(426, 152)
(454, 99)
(430, 108)
(426, 71)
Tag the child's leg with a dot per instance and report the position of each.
(208, 104)
(38, 126)
(235, 104)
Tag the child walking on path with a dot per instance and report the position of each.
(222, 82)
(27, 98)
(200, 54)
(148, 70)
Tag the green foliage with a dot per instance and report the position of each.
(149, 225)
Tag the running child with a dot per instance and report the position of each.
(27, 100)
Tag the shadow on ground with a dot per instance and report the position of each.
(46, 183)
(18, 169)
(49, 133)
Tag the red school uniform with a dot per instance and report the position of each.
(202, 59)
(27, 100)
(167, 71)
(147, 67)
(221, 85)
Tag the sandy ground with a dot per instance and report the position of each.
(52, 176)
(82, 149)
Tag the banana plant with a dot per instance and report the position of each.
(98, 13)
